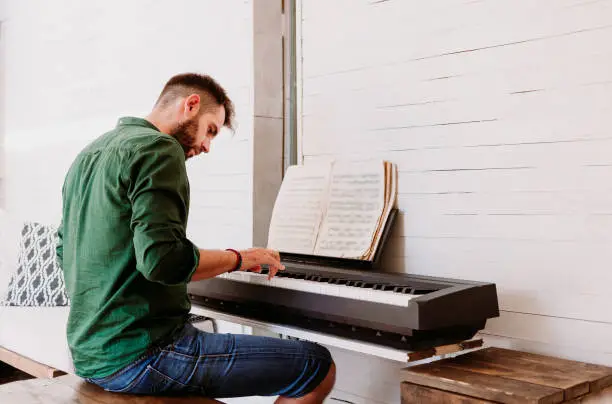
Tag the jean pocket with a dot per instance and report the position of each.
(152, 381)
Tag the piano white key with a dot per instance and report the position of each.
(349, 292)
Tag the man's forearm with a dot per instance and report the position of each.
(213, 263)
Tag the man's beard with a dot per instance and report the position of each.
(186, 133)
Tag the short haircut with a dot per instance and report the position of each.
(183, 85)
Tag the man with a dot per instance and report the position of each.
(127, 261)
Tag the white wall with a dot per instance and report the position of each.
(498, 115)
(2, 103)
(73, 68)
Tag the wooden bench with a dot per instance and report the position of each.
(28, 365)
(71, 389)
(495, 375)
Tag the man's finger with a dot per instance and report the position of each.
(274, 268)
(274, 254)
(273, 271)
(272, 260)
(274, 264)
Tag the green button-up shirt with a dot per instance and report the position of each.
(123, 247)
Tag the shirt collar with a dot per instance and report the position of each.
(133, 121)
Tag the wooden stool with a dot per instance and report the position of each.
(495, 375)
(71, 389)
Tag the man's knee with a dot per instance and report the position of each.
(325, 387)
(326, 362)
(330, 378)
(326, 368)
(319, 371)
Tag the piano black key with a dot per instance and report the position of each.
(422, 291)
(403, 289)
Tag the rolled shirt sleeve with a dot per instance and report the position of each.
(159, 194)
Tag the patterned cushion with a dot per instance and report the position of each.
(39, 280)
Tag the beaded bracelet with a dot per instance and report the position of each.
(238, 256)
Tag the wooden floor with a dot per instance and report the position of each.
(73, 390)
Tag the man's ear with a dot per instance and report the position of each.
(192, 105)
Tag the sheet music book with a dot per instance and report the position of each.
(334, 210)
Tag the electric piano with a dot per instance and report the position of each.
(354, 299)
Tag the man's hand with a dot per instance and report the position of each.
(216, 262)
(254, 258)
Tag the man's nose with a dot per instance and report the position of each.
(206, 146)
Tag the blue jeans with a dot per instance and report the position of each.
(223, 365)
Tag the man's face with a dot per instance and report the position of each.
(196, 133)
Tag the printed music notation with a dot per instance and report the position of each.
(336, 210)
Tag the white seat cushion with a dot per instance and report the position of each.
(38, 333)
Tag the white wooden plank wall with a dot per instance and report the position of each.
(2, 119)
(73, 68)
(498, 115)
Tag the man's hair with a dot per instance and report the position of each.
(183, 85)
